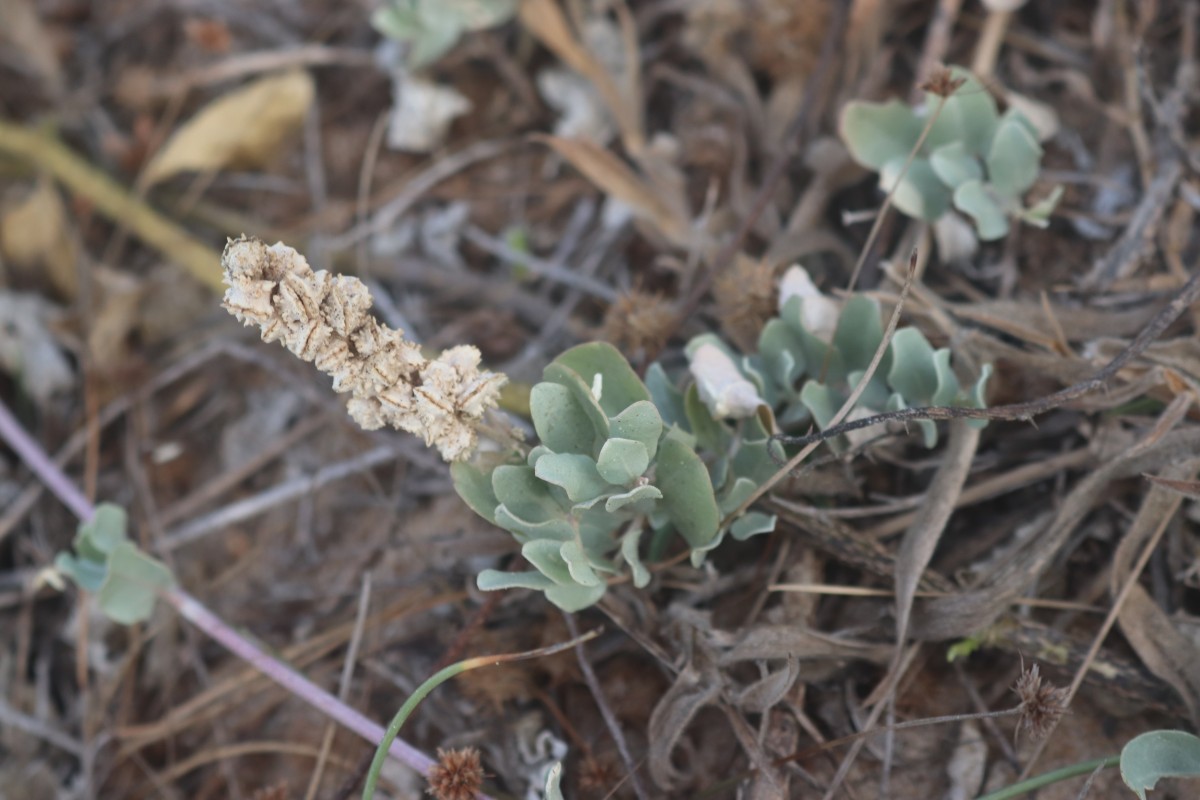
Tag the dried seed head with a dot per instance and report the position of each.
(943, 83)
(457, 775)
(327, 320)
(745, 296)
(1041, 706)
(638, 323)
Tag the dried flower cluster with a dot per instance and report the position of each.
(1041, 705)
(326, 319)
(457, 775)
(639, 323)
(746, 297)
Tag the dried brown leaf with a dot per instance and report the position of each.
(1189, 489)
(746, 299)
(34, 233)
(976, 609)
(243, 128)
(616, 178)
(1163, 648)
(923, 535)
(545, 20)
(696, 686)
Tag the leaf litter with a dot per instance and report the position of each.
(722, 156)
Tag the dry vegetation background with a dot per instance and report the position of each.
(717, 135)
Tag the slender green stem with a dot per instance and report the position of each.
(393, 730)
(1082, 768)
(422, 691)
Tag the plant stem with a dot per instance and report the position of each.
(440, 677)
(42, 149)
(1082, 768)
(43, 466)
(393, 730)
(194, 611)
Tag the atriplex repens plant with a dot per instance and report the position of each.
(974, 158)
(618, 458)
(432, 27)
(621, 465)
(608, 468)
(124, 579)
(812, 356)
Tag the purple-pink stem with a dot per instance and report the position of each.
(36, 458)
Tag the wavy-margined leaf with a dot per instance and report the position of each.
(575, 598)
(474, 486)
(560, 421)
(1159, 754)
(750, 524)
(665, 396)
(876, 133)
(132, 585)
(968, 116)
(954, 165)
(978, 201)
(640, 422)
(920, 193)
(1013, 159)
(639, 499)
(629, 552)
(578, 565)
(602, 367)
(574, 474)
(687, 491)
(859, 332)
(1038, 214)
(523, 494)
(622, 461)
(492, 580)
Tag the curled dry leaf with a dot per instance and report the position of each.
(34, 234)
(244, 128)
(326, 319)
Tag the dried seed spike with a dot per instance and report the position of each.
(326, 320)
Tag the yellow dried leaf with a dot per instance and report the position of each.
(243, 128)
(34, 234)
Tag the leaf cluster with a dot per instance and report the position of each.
(617, 462)
(804, 379)
(431, 27)
(622, 465)
(974, 158)
(125, 580)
